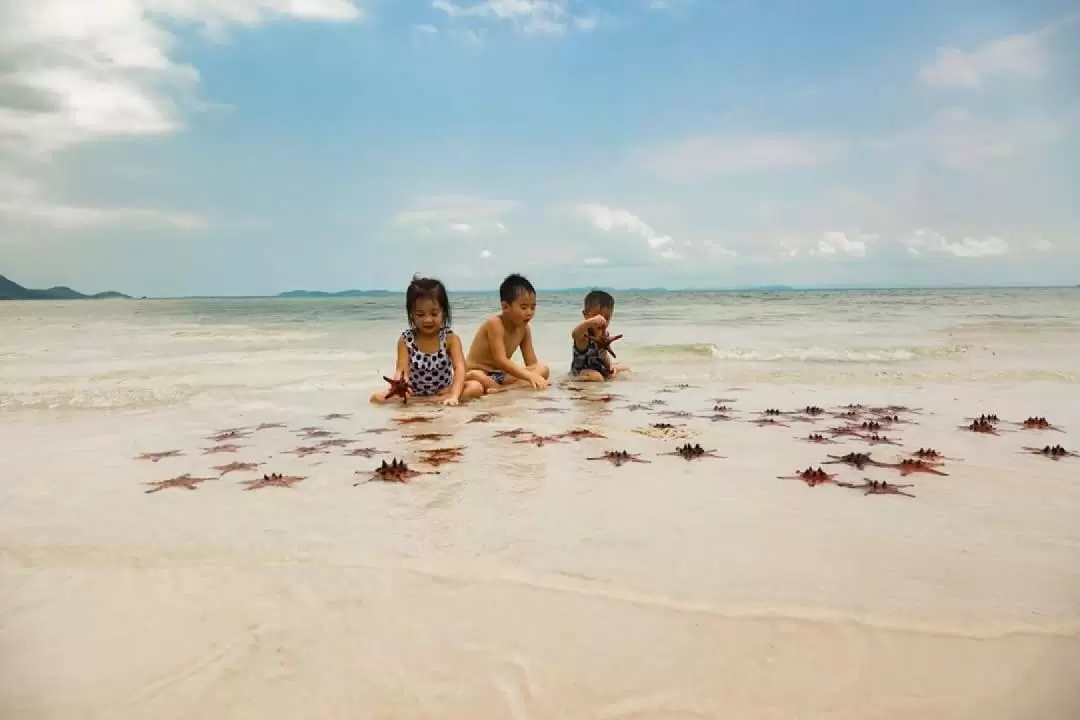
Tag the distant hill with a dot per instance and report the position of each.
(14, 291)
(343, 293)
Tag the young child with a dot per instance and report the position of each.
(501, 335)
(588, 362)
(429, 354)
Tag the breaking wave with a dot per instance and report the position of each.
(708, 351)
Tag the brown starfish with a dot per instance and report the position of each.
(876, 439)
(313, 434)
(875, 487)
(597, 398)
(720, 408)
(221, 449)
(818, 438)
(181, 481)
(1039, 423)
(604, 340)
(376, 431)
(412, 419)
(549, 410)
(676, 414)
(717, 417)
(986, 418)
(398, 388)
(633, 407)
(772, 412)
(337, 416)
(694, 451)
(335, 442)
(848, 415)
(157, 456)
(914, 465)
(395, 471)
(930, 455)
(619, 457)
(811, 410)
(871, 425)
(983, 427)
(305, 451)
(769, 422)
(234, 466)
(893, 420)
(850, 430)
(365, 452)
(810, 476)
(893, 409)
(438, 457)
(308, 429)
(515, 433)
(269, 426)
(272, 480)
(855, 460)
(579, 434)
(229, 435)
(541, 440)
(484, 418)
(428, 437)
(1054, 452)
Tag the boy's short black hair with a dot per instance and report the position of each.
(513, 287)
(599, 299)
(422, 288)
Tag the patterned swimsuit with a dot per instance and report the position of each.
(429, 373)
(591, 358)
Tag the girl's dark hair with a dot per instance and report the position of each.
(422, 288)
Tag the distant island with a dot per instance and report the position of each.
(10, 290)
(392, 293)
(343, 293)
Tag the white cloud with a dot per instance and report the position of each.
(485, 254)
(425, 29)
(595, 261)
(1042, 245)
(461, 214)
(930, 242)
(697, 157)
(610, 219)
(545, 17)
(837, 243)
(958, 139)
(21, 200)
(79, 70)
(1021, 55)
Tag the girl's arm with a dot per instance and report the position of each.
(402, 369)
(457, 357)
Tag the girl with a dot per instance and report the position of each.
(429, 354)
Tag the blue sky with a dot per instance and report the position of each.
(171, 147)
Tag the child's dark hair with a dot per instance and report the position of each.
(513, 287)
(422, 288)
(599, 299)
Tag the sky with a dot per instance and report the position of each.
(249, 147)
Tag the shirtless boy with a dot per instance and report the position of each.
(501, 335)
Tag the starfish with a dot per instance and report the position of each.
(848, 415)
(272, 480)
(818, 438)
(871, 425)
(893, 409)
(579, 434)
(305, 451)
(438, 457)
(811, 410)
(335, 442)
(893, 420)
(485, 417)
(721, 408)
(914, 465)
(855, 460)
(637, 406)
(876, 439)
(399, 387)
(376, 431)
(717, 417)
(269, 426)
(598, 398)
(604, 341)
(308, 429)
(311, 434)
(772, 412)
(721, 401)
(395, 471)
(337, 416)
(549, 410)
(810, 476)
(156, 456)
(511, 433)
(983, 427)
(228, 435)
(541, 440)
(1039, 423)
(221, 449)
(428, 437)
(844, 430)
(875, 487)
(181, 481)
(690, 452)
(1055, 452)
(769, 422)
(619, 457)
(675, 414)
(984, 418)
(930, 455)
(233, 466)
(365, 452)
(412, 419)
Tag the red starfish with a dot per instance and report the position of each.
(769, 422)
(272, 480)
(337, 416)
(512, 433)
(182, 481)
(581, 434)
(819, 439)
(395, 471)
(1055, 452)
(233, 466)
(268, 426)
(908, 466)
(810, 476)
(221, 449)
(619, 458)
(365, 452)
(441, 456)
(305, 451)
(540, 440)
(604, 341)
(156, 456)
(428, 437)
(485, 417)
(690, 452)
(412, 420)
(399, 387)
(228, 435)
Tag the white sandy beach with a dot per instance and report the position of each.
(529, 582)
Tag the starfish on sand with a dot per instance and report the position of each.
(185, 481)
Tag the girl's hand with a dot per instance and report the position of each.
(451, 402)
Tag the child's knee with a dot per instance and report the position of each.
(589, 376)
(541, 369)
(378, 397)
(472, 390)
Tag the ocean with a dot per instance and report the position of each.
(530, 580)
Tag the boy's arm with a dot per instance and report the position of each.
(580, 333)
(496, 337)
(528, 353)
(402, 369)
(457, 357)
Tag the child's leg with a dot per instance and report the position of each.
(540, 369)
(589, 376)
(486, 382)
(379, 397)
(472, 390)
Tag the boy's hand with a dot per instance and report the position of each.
(598, 321)
(537, 381)
(451, 402)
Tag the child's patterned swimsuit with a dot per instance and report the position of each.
(429, 373)
(590, 358)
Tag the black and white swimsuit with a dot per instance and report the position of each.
(429, 373)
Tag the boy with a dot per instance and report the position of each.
(501, 335)
(589, 363)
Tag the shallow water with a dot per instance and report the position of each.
(532, 582)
